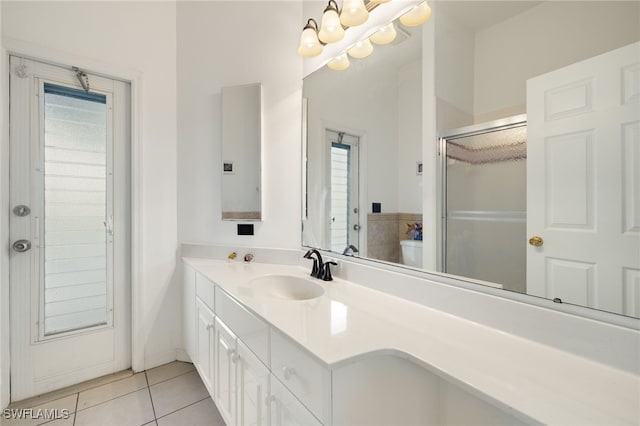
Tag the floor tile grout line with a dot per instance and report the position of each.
(75, 413)
(110, 399)
(62, 396)
(153, 407)
(175, 411)
(170, 378)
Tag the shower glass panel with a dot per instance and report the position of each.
(485, 218)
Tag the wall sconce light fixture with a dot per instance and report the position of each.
(353, 13)
(331, 29)
(384, 35)
(309, 43)
(416, 16)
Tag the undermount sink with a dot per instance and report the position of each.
(289, 287)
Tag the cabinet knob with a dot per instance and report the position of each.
(269, 399)
(209, 326)
(288, 372)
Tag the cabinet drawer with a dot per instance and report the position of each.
(285, 409)
(249, 328)
(306, 377)
(205, 290)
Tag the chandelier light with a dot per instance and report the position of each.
(361, 49)
(384, 35)
(331, 30)
(339, 63)
(416, 16)
(353, 13)
(309, 43)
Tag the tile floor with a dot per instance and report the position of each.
(169, 395)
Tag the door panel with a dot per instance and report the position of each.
(583, 190)
(70, 307)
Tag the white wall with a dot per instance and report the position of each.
(409, 137)
(546, 37)
(139, 37)
(225, 44)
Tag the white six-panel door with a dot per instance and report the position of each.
(70, 254)
(583, 182)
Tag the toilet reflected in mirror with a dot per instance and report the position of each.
(411, 253)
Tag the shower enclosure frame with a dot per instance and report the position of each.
(459, 133)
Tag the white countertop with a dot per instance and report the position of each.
(349, 321)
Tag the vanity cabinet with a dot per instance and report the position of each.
(189, 310)
(286, 409)
(225, 362)
(203, 359)
(253, 378)
(231, 350)
(302, 374)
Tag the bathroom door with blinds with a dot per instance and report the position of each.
(343, 208)
(69, 227)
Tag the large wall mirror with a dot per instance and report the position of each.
(536, 154)
(241, 152)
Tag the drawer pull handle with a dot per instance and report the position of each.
(288, 372)
(232, 354)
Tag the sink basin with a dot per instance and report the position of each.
(287, 287)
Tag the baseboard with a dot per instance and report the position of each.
(181, 355)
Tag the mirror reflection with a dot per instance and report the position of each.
(536, 159)
(241, 152)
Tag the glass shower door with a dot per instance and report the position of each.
(485, 216)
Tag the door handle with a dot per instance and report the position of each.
(536, 241)
(22, 245)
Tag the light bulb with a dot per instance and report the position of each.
(353, 13)
(331, 29)
(384, 35)
(309, 44)
(339, 63)
(362, 49)
(416, 16)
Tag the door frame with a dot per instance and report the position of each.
(134, 77)
(362, 135)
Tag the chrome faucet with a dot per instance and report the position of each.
(319, 269)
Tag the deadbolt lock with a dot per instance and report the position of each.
(22, 245)
(21, 210)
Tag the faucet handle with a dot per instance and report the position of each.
(326, 273)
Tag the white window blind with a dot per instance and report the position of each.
(75, 206)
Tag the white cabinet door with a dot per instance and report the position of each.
(225, 372)
(203, 359)
(189, 310)
(253, 389)
(286, 410)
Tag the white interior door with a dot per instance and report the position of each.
(583, 182)
(344, 222)
(69, 227)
